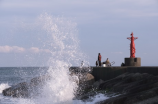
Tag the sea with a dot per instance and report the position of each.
(57, 91)
(58, 39)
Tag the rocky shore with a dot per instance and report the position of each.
(32, 88)
(128, 88)
(26, 89)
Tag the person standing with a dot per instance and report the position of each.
(96, 63)
(99, 59)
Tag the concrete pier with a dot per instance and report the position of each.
(106, 73)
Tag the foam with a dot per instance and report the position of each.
(3, 86)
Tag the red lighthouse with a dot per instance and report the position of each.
(132, 60)
(132, 45)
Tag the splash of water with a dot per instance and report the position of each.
(63, 44)
(3, 86)
(60, 38)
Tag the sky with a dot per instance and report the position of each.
(102, 27)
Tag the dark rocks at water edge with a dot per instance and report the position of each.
(32, 88)
(26, 89)
(135, 88)
(128, 88)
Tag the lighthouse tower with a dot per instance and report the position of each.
(132, 61)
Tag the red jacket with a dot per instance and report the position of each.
(99, 57)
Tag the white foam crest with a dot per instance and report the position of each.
(3, 86)
(60, 89)
(98, 98)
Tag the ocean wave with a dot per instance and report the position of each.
(3, 86)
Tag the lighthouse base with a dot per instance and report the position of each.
(133, 61)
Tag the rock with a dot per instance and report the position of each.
(26, 89)
(153, 100)
(19, 90)
(31, 88)
(97, 83)
(83, 78)
(133, 87)
(87, 78)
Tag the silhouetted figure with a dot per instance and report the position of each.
(96, 63)
(99, 59)
(123, 64)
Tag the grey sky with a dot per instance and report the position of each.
(103, 26)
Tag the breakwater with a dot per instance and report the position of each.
(106, 73)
